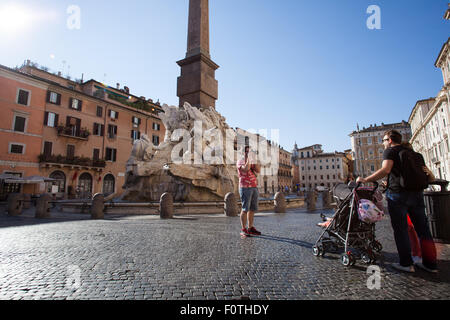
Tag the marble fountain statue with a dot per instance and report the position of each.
(195, 162)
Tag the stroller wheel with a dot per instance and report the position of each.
(376, 246)
(318, 251)
(367, 258)
(347, 259)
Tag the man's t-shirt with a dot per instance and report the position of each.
(247, 179)
(394, 176)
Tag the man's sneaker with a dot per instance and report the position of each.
(244, 232)
(399, 267)
(421, 266)
(253, 231)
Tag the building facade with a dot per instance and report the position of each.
(285, 177)
(430, 118)
(368, 148)
(78, 133)
(320, 169)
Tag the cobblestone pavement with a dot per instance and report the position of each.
(193, 257)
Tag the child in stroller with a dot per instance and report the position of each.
(351, 228)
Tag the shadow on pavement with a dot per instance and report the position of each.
(287, 240)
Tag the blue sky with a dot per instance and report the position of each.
(311, 69)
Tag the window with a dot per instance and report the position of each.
(60, 182)
(99, 111)
(19, 123)
(135, 135)
(112, 131)
(51, 119)
(11, 187)
(136, 121)
(111, 154)
(48, 146)
(369, 140)
(156, 126)
(96, 154)
(16, 148)
(75, 104)
(99, 130)
(70, 151)
(113, 114)
(155, 140)
(54, 98)
(23, 97)
(108, 184)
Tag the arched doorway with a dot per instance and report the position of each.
(84, 186)
(108, 185)
(59, 185)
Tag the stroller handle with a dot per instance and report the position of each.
(351, 185)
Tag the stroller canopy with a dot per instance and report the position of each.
(341, 191)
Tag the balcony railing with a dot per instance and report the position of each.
(78, 161)
(73, 132)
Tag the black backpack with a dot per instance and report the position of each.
(412, 176)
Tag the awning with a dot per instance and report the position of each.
(29, 180)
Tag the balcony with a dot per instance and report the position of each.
(72, 162)
(73, 132)
(435, 160)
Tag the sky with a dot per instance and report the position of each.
(308, 68)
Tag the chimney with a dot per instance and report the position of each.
(118, 86)
(59, 73)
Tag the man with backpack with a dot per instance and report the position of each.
(408, 177)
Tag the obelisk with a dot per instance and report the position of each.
(197, 84)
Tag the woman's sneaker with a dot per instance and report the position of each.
(253, 231)
(399, 267)
(421, 266)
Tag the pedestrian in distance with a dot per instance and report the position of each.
(248, 169)
(408, 176)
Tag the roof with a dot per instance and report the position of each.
(416, 105)
(444, 47)
(383, 126)
(56, 84)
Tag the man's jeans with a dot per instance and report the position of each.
(411, 203)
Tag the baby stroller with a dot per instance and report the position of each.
(346, 230)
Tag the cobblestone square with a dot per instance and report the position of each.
(195, 257)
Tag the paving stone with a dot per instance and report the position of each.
(194, 257)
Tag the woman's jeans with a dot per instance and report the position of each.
(412, 203)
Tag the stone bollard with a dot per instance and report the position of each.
(311, 200)
(98, 206)
(326, 199)
(42, 210)
(279, 203)
(166, 206)
(15, 204)
(26, 201)
(230, 205)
